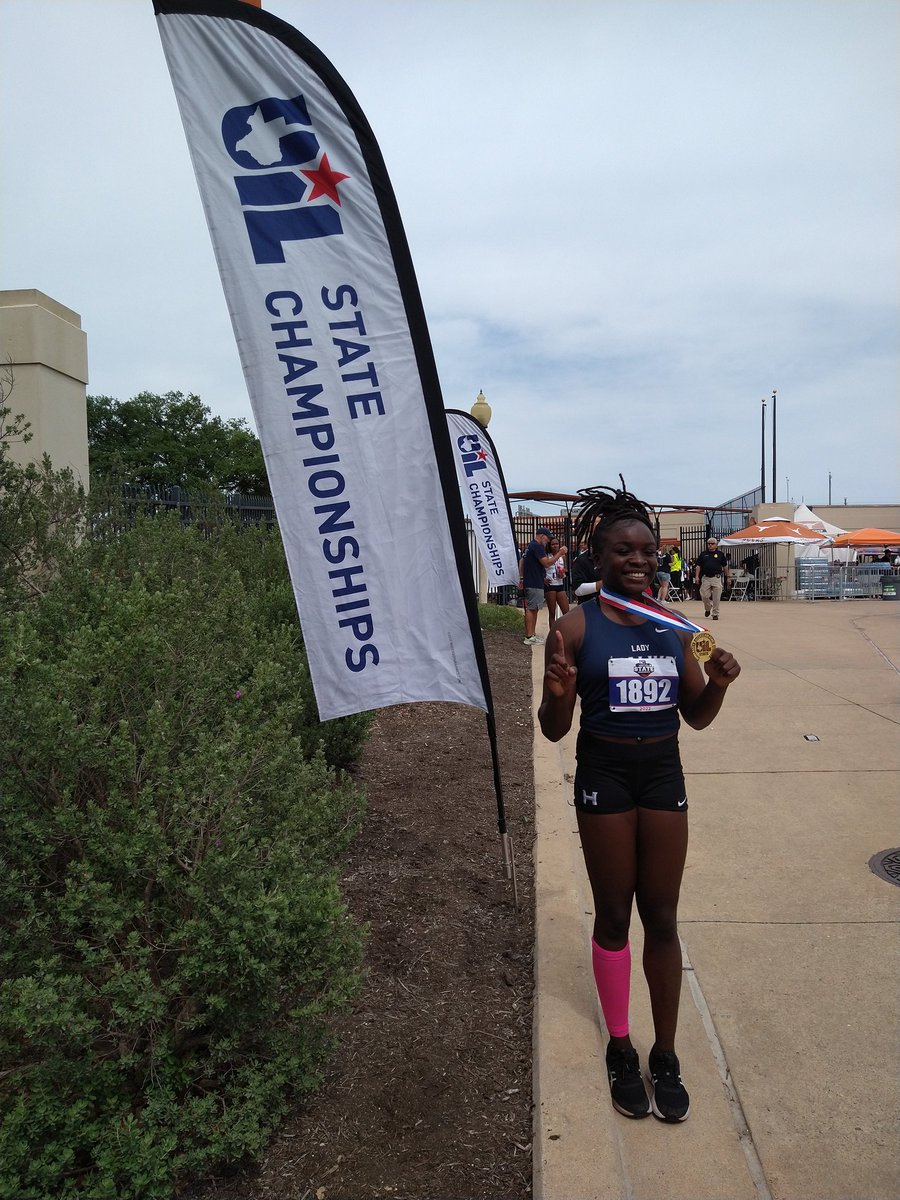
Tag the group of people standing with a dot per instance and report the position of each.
(543, 578)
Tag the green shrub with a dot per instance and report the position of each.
(500, 616)
(173, 937)
(41, 512)
(163, 552)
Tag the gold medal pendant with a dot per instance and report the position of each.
(702, 645)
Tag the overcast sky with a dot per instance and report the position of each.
(630, 221)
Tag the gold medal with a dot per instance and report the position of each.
(702, 645)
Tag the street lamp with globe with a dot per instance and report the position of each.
(481, 410)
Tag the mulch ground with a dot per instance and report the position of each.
(429, 1096)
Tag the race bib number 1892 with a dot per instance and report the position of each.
(642, 684)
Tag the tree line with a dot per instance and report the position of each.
(173, 440)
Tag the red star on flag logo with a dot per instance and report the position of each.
(325, 181)
(482, 454)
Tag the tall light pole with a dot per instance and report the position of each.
(829, 487)
(762, 457)
(774, 441)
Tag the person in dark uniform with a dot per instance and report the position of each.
(709, 572)
(634, 675)
(751, 565)
(585, 577)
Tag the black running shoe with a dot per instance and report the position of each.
(625, 1083)
(668, 1095)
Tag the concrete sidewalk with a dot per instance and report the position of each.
(789, 1015)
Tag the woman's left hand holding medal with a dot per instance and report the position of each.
(722, 668)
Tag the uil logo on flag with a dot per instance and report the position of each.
(281, 205)
(472, 454)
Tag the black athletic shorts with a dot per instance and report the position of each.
(615, 777)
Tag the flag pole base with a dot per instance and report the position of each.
(509, 865)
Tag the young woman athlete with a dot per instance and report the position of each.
(633, 676)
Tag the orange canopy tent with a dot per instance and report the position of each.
(868, 537)
(773, 531)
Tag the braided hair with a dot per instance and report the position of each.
(602, 507)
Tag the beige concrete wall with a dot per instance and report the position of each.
(847, 516)
(860, 516)
(47, 349)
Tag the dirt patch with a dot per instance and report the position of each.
(429, 1097)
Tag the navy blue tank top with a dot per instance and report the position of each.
(628, 676)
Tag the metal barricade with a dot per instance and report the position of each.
(820, 579)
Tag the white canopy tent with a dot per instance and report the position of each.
(805, 516)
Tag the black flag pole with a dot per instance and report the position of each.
(458, 534)
(509, 861)
(506, 844)
(509, 857)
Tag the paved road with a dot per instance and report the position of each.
(789, 1015)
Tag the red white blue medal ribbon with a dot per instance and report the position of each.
(703, 643)
(650, 610)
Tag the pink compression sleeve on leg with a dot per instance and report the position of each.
(612, 973)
